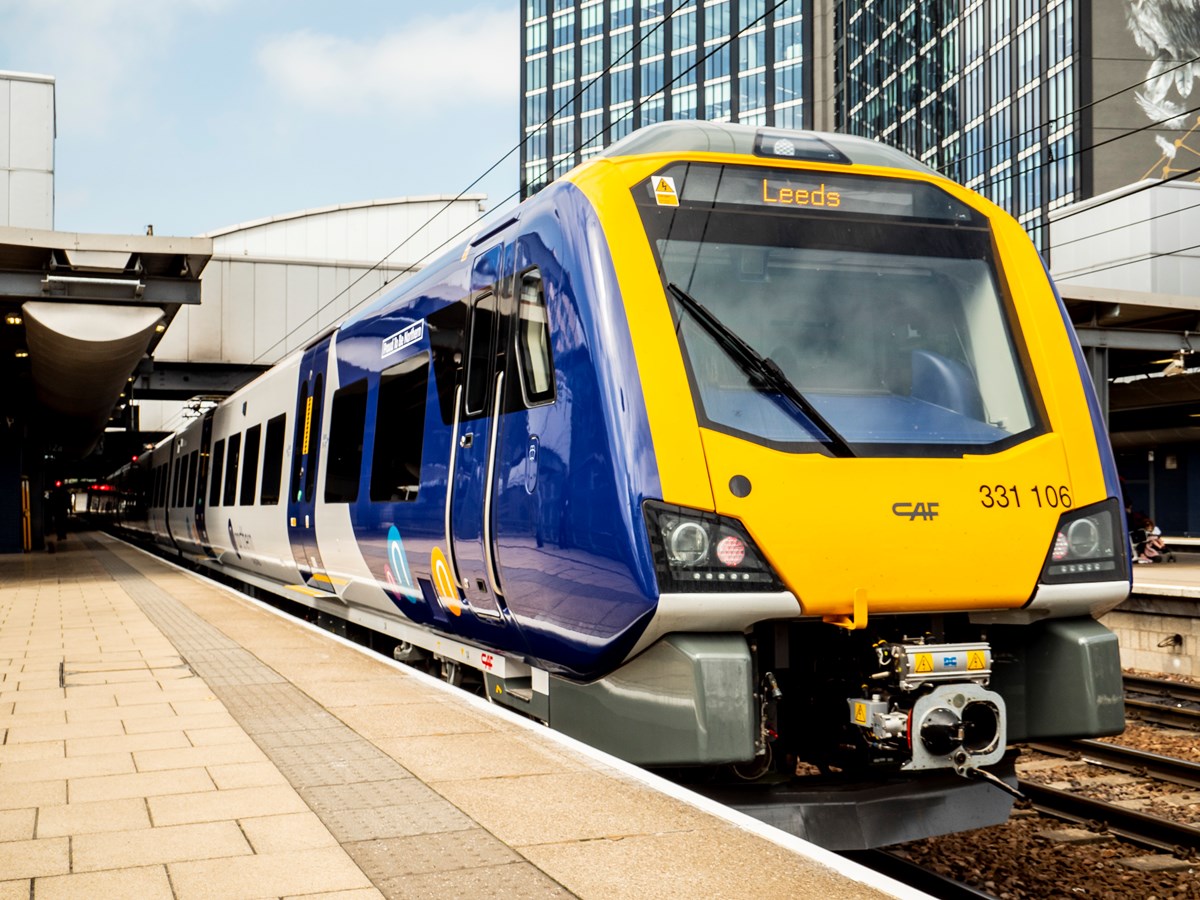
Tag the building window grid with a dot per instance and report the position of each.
(872, 38)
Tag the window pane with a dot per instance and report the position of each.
(347, 420)
(483, 324)
(231, 470)
(396, 463)
(273, 460)
(300, 444)
(250, 464)
(533, 340)
(177, 498)
(313, 435)
(214, 481)
(193, 459)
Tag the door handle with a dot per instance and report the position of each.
(467, 439)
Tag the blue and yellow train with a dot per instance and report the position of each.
(732, 446)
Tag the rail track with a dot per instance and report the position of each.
(1163, 702)
(1133, 825)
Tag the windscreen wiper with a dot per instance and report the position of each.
(763, 370)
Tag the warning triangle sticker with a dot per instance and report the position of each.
(924, 663)
(975, 660)
(664, 190)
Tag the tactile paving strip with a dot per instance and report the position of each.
(365, 798)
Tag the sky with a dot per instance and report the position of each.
(192, 115)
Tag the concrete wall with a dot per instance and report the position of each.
(1131, 239)
(26, 150)
(1143, 45)
(1147, 639)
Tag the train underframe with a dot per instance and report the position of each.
(829, 733)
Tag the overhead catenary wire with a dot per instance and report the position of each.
(662, 92)
(524, 139)
(1049, 124)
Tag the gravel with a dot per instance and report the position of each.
(1020, 859)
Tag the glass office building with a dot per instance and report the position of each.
(594, 70)
(984, 91)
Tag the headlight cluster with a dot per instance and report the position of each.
(1088, 546)
(702, 551)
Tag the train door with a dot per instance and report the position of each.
(534, 438)
(306, 452)
(470, 518)
(202, 486)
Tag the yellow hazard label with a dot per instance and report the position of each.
(664, 191)
(498, 690)
(860, 713)
(307, 425)
(924, 662)
(976, 660)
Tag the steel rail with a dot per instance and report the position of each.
(1137, 827)
(1176, 690)
(1161, 714)
(1126, 759)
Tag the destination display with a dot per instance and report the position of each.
(700, 184)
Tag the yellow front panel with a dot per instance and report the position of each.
(911, 533)
(906, 534)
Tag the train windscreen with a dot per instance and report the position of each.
(878, 300)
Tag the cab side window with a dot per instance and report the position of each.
(533, 340)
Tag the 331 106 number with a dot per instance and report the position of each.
(1003, 496)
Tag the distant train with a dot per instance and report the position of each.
(732, 446)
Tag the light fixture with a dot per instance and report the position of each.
(21, 354)
(13, 319)
(160, 327)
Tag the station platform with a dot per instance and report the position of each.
(162, 736)
(1169, 579)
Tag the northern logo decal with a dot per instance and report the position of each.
(394, 343)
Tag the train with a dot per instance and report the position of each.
(734, 449)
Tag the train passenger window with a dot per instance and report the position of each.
(314, 438)
(231, 469)
(273, 460)
(300, 444)
(177, 487)
(214, 481)
(347, 421)
(250, 464)
(400, 430)
(192, 467)
(156, 496)
(479, 354)
(533, 341)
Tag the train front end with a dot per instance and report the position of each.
(881, 461)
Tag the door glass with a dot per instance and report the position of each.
(479, 353)
(313, 438)
(300, 446)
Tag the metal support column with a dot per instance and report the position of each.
(1097, 360)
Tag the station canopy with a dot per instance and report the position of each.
(78, 313)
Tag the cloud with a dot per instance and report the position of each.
(100, 52)
(433, 65)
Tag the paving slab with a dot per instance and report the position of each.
(201, 746)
